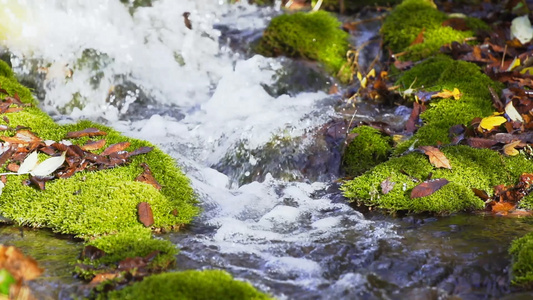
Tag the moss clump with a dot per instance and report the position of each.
(471, 168)
(522, 252)
(98, 203)
(410, 18)
(351, 6)
(212, 284)
(442, 72)
(316, 36)
(369, 148)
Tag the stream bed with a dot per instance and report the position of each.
(243, 128)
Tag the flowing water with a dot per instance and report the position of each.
(249, 133)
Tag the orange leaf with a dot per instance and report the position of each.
(93, 145)
(17, 264)
(456, 94)
(144, 211)
(502, 207)
(22, 136)
(115, 148)
(510, 150)
(86, 132)
(419, 38)
(148, 177)
(436, 157)
(427, 188)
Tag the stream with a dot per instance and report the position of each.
(245, 129)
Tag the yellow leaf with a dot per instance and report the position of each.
(491, 122)
(372, 73)
(456, 94)
(510, 150)
(527, 70)
(359, 76)
(514, 64)
(364, 82)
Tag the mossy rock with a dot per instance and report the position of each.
(471, 168)
(101, 203)
(412, 17)
(351, 6)
(210, 284)
(442, 72)
(316, 36)
(522, 252)
(369, 148)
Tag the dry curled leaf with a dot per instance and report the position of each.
(455, 94)
(115, 148)
(93, 145)
(148, 177)
(510, 150)
(427, 188)
(23, 136)
(144, 211)
(86, 132)
(436, 157)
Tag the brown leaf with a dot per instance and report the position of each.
(410, 125)
(132, 263)
(99, 278)
(115, 148)
(480, 142)
(148, 177)
(92, 253)
(387, 186)
(21, 267)
(39, 182)
(90, 132)
(427, 188)
(436, 157)
(419, 38)
(144, 211)
(93, 145)
(174, 212)
(456, 23)
(22, 136)
(481, 194)
(509, 149)
(142, 150)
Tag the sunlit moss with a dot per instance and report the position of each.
(522, 251)
(92, 204)
(471, 168)
(209, 284)
(412, 17)
(316, 36)
(442, 72)
(369, 148)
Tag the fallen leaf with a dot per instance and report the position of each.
(22, 136)
(455, 94)
(93, 145)
(115, 148)
(480, 142)
(410, 125)
(502, 207)
(481, 194)
(491, 122)
(90, 132)
(419, 38)
(387, 186)
(29, 163)
(92, 253)
(17, 264)
(509, 149)
(436, 157)
(148, 177)
(144, 211)
(142, 150)
(48, 166)
(512, 113)
(427, 188)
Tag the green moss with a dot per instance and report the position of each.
(351, 6)
(316, 36)
(471, 168)
(133, 242)
(442, 72)
(522, 251)
(98, 203)
(410, 18)
(369, 148)
(212, 284)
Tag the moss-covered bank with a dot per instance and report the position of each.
(209, 284)
(415, 17)
(315, 36)
(369, 148)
